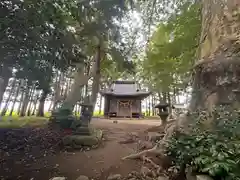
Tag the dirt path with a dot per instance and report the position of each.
(99, 163)
(34, 160)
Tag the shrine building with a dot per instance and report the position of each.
(124, 99)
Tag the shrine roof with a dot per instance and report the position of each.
(125, 88)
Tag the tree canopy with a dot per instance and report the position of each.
(171, 51)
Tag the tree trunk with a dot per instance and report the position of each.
(96, 79)
(35, 103)
(100, 105)
(50, 105)
(80, 79)
(32, 92)
(217, 73)
(4, 110)
(159, 96)
(169, 102)
(153, 109)
(146, 109)
(57, 90)
(25, 102)
(164, 97)
(149, 105)
(86, 86)
(41, 103)
(5, 74)
(15, 98)
(3, 86)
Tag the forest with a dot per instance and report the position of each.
(56, 57)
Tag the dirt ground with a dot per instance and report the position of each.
(97, 164)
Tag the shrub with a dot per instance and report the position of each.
(212, 149)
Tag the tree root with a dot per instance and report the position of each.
(145, 159)
(158, 149)
(143, 145)
(154, 151)
(127, 141)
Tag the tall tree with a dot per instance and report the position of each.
(216, 79)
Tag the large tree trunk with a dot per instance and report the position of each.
(80, 79)
(217, 73)
(96, 79)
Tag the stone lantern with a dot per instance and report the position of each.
(86, 114)
(163, 109)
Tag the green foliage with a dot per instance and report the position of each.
(21, 122)
(172, 48)
(35, 33)
(212, 148)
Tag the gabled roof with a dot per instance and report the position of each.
(125, 88)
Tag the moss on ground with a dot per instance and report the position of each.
(77, 141)
(20, 122)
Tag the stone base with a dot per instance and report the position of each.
(85, 131)
(77, 141)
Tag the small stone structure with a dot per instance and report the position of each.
(79, 133)
(163, 110)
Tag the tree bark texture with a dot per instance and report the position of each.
(57, 90)
(35, 103)
(96, 79)
(11, 91)
(32, 92)
(5, 74)
(41, 103)
(217, 73)
(80, 79)
(100, 105)
(25, 102)
(15, 98)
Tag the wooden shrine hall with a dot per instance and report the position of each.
(123, 99)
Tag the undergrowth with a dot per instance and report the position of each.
(210, 148)
(22, 122)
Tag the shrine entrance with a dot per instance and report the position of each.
(124, 108)
(123, 99)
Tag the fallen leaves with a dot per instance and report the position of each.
(23, 147)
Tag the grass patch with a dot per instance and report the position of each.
(21, 122)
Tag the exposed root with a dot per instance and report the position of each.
(143, 145)
(157, 150)
(145, 159)
(154, 151)
(127, 141)
(153, 136)
(133, 137)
